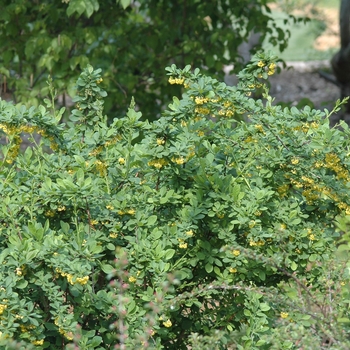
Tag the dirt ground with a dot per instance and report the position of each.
(303, 80)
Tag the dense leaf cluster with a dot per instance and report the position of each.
(131, 41)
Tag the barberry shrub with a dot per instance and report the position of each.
(215, 226)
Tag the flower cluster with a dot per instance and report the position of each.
(236, 252)
(38, 342)
(160, 141)
(167, 323)
(101, 167)
(270, 68)
(256, 244)
(67, 335)
(305, 127)
(126, 211)
(158, 163)
(71, 279)
(178, 81)
(3, 307)
(182, 243)
(108, 143)
(132, 279)
(178, 160)
(200, 100)
(15, 131)
(202, 110)
(332, 162)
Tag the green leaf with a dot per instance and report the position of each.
(77, 6)
(106, 268)
(95, 341)
(169, 254)
(110, 246)
(151, 220)
(156, 234)
(21, 284)
(262, 275)
(293, 265)
(209, 267)
(247, 312)
(125, 3)
(264, 307)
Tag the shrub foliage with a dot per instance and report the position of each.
(198, 229)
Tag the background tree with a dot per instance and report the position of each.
(131, 41)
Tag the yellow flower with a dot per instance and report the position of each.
(121, 161)
(256, 244)
(252, 223)
(259, 127)
(49, 213)
(109, 207)
(157, 163)
(68, 336)
(179, 160)
(160, 142)
(236, 252)
(101, 167)
(271, 69)
(176, 80)
(82, 280)
(229, 113)
(295, 161)
(19, 271)
(38, 342)
(189, 233)
(261, 64)
(3, 307)
(232, 270)
(167, 323)
(199, 100)
(69, 278)
(113, 235)
(284, 314)
(132, 279)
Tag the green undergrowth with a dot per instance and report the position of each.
(223, 224)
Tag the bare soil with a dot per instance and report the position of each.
(302, 79)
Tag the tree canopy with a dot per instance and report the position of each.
(131, 41)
